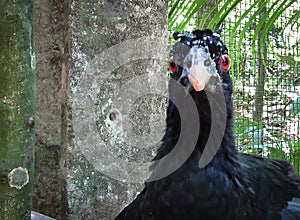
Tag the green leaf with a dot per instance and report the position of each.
(177, 10)
(225, 14)
(174, 8)
(234, 31)
(204, 18)
(246, 28)
(293, 19)
(275, 15)
(194, 8)
(217, 16)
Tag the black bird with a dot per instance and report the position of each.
(197, 172)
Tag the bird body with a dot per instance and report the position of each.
(232, 185)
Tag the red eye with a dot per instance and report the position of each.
(173, 67)
(225, 62)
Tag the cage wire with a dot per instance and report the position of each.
(266, 79)
(264, 42)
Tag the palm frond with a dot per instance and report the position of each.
(267, 26)
(224, 14)
(195, 7)
(241, 35)
(206, 16)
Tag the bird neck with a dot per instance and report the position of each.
(226, 146)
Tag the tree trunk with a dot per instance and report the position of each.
(17, 108)
(117, 53)
(204, 10)
(71, 35)
(260, 86)
(51, 19)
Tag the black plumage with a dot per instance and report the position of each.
(232, 186)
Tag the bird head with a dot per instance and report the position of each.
(199, 61)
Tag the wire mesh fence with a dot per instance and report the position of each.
(264, 42)
(264, 46)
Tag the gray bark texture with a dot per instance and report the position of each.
(51, 44)
(101, 89)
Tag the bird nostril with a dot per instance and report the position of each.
(207, 62)
(184, 81)
(189, 64)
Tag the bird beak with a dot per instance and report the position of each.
(199, 71)
(199, 77)
(202, 79)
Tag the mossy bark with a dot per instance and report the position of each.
(17, 107)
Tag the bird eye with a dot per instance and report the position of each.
(225, 62)
(173, 67)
